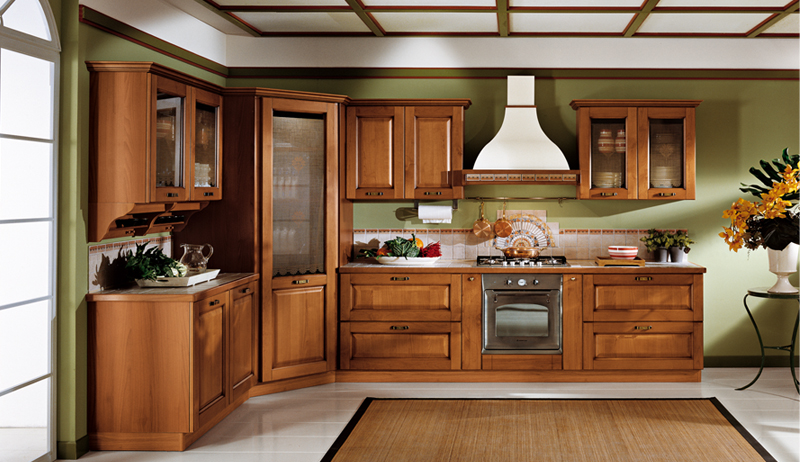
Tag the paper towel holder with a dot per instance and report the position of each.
(416, 204)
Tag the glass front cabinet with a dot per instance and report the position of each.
(636, 149)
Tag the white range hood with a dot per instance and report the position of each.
(520, 144)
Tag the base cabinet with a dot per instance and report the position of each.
(400, 346)
(165, 365)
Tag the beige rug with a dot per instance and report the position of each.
(481, 430)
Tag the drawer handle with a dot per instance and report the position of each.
(172, 194)
(433, 193)
(400, 279)
(213, 303)
(399, 327)
(643, 327)
(300, 281)
(665, 194)
(643, 278)
(208, 194)
(374, 193)
(246, 290)
(607, 194)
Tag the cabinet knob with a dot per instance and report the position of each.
(213, 303)
(433, 193)
(172, 194)
(399, 327)
(573, 279)
(400, 279)
(607, 194)
(374, 193)
(471, 279)
(246, 290)
(665, 194)
(208, 193)
(643, 278)
(643, 327)
(300, 281)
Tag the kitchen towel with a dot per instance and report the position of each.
(435, 213)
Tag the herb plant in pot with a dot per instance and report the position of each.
(657, 241)
(679, 246)
(150, 264)
(772, 222)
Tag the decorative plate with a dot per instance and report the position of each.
(526, 231)
(412, 261)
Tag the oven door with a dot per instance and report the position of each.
(522, 321)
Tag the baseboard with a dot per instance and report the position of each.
(72, 450)
(748, 361)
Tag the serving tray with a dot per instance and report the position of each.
(412, 261)
(186, 281)
(608, 261)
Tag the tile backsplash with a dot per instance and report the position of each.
(107, 262)
(461, 244)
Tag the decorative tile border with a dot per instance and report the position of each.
(460, 244)
(107, 263)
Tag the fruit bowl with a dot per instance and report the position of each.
(623, 252)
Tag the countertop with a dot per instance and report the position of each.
(469, 266)
(196, 292)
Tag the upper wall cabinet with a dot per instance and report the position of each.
(405, 149)
(155, 149)
(636, 149)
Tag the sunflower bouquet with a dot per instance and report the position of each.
(774, 221)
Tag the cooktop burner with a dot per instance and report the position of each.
(540, 261)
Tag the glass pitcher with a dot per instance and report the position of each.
(193, 257)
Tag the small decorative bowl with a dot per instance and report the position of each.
(622, 252)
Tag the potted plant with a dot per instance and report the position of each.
(679, 246)
(657, 241)
(152, 263)
(772, 222)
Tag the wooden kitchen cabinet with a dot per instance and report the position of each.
(155, 148)
(636, 149)
(643, 321)
(400, 321)
(404, 149)
(165, 365)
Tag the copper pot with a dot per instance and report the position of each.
(502, 227)
(520, 252)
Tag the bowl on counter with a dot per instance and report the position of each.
(623, 252)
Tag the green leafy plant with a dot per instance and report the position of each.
(768, 175)
(407, 248)
(655, 238)
(152, 263)
(680, 239)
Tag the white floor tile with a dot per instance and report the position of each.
(300, 425)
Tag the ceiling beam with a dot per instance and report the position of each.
(502, 17)
(365, 17)
(640, 17)
(231, 19)
(775, 19)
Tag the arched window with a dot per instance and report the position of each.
(29, 76)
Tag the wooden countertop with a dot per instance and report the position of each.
(223, 282)
(369, 265)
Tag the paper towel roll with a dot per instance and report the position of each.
(435, 213)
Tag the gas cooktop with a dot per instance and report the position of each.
(538, 262)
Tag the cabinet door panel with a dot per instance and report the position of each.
(243, 340)
(401, 346)
(205, 164)
(375, 152)
(409, 297)
(170, 122)
(210, 335)
(434, 147)
(607, 173)
(666, 153)
(657, 345)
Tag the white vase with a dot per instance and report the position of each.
(782, 263)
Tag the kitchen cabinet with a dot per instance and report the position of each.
(404, 149)
(279, 217)
(400, 321)
(155, 150)
(643, 322)
(636, 149)
(166, 364)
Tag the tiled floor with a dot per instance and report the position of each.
(301, 425)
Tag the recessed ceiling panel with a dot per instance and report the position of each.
(437, 22)
(569, 22)
(788, 25)
(576, 3)
(276, 3)
(304, 22)
(723, 3)
(430, 3)
(701, 23)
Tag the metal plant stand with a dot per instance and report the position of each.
(761, 292)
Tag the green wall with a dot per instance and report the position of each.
(739, 122)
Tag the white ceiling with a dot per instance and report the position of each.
(500, 18)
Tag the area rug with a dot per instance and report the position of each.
(564, 430)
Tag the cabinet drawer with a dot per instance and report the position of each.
(521, 362)
(400, 345)
(643, 297)
(643, 345)
(401, 297)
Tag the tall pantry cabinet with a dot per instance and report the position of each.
(279, 217)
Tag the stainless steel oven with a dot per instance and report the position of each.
(522, 313)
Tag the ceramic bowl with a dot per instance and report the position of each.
(622, 252)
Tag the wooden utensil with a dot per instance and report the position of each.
(502, 227)
(482, 228)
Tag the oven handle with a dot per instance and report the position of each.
(520, 292)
